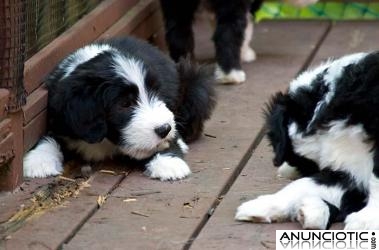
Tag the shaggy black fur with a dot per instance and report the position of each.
(228, 36)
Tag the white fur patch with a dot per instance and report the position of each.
(340, 147)
(82, 55)
(139, 137)
(365, 219)
(368, 217)
(134, 71)
(284, 205)
(264, 209)
(247, 53)
(313, 213)
(183, 146)
(287, 171)
(44, 160)
(234, 76)
(166, 167)
(92, 151)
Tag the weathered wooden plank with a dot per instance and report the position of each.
(34, 130)
(4, 99)
(150, 26)
(13, 176)
(259, 176)
(52, 228)
(349, 37)
(167, 217)
(84, 31)
(35, 104)
(132, 19)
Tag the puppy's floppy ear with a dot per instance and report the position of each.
(276, 114)
(86, 118)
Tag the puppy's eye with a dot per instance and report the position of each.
(125, 103)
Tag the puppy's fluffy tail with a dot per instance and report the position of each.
(197, 98)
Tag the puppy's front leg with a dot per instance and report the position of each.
(169, 164)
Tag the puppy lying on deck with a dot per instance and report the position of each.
(123, 97)
(326, 129)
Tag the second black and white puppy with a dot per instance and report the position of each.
(326, 128)
(123, 97)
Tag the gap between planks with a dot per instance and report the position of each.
(92, 212)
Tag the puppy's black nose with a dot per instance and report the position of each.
(162, 131)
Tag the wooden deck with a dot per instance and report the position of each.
(231, 163)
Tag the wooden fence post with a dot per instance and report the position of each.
(12, 57)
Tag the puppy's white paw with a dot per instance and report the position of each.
(165, 167)
(248, 55)
(45, 160)
(234, 76)
(287, 171)
(313, 213)
(264, 209)
(365, 219)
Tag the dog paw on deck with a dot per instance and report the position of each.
(166, 167)
(44, 160)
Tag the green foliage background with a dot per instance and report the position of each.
(321, 10)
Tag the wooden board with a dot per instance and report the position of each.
(35, 104)
(142, 10)
(51, 229)
(34, 130)
(259, 175)
(167, 218)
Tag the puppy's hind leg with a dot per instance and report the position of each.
(46, 159)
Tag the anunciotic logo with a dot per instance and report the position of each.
(326, 239)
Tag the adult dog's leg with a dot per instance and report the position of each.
(247, 53)
(228, 37)
(178, 17)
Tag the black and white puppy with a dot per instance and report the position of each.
(326, 129)
(123, 97)
(232, 36)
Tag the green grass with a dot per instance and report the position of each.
(322, 10)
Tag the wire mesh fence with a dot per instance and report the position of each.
(26, 26)
(12, 50)
(335, 10)
(47, 19)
